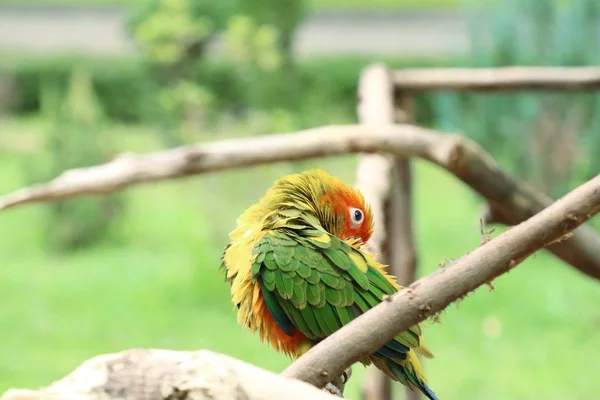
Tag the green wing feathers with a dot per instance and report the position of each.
(316, 283)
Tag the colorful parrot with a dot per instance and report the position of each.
(297, 272)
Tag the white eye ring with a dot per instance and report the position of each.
(356, 217)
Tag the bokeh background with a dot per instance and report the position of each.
(81, 80)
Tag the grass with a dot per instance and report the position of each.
(315, 4)
(533, 337)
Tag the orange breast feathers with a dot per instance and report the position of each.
(246, 296)
(289, 345)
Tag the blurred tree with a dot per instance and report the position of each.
(258, 60)
(173, 35)
(549, 138)
(259, 43)
(76, 137)
(283, 16)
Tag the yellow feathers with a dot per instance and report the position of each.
(323, 238)
(359, 262)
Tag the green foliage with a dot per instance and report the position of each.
(281, 16)
(122, 86)
(259, 38)
(258, 63)
(76, 137)
(167, 28)
(173, 35)
(186, 101)
(549, 138)
(127, 91)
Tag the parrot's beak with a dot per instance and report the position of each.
(354, 241)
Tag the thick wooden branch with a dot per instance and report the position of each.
(495, 79)
(510, 198)
(433, 293)
(155, 374)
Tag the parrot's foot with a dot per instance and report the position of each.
(336, 387)
(334, 390)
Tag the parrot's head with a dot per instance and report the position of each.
(340, 209)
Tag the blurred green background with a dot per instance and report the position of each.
(140, 268)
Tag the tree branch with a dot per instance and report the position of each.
(512, 199)
(155, 374)
(495, 79)
(433, 293)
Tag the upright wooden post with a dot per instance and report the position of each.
(391, 202)
(376, 107)
(401, 251)
(388, 180)
(403, 254)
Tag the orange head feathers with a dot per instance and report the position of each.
(340, 209)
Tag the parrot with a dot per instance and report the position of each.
(298, 272)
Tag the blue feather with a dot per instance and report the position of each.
(397, 346)
(387, 353)
(428, 392)
(280, 317)
(397, 370)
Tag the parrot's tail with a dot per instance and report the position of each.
(427, 391)
(408, 372)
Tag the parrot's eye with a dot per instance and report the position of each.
(356, 216)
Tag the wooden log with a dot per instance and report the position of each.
(156, 374)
